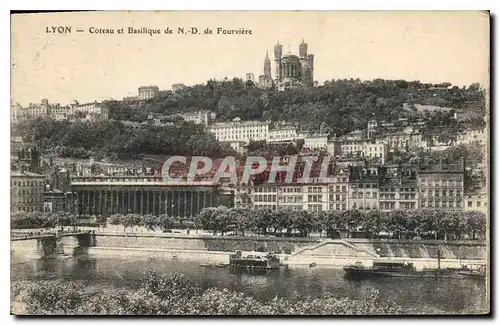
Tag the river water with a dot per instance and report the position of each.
(416, 295)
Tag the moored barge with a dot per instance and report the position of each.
(393, 268)
(254, 262)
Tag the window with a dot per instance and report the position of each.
(469, 204)
(478, 203)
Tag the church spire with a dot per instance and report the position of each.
(267, 66)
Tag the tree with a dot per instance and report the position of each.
(282, 219)
(352, 219)
(164, 221)
(150, 222)
(126, 221)
(397, 223)
(206, 218)
(475, 223)
(222, 219)
(375, 222)
(302, 220)
(238, 219)
(260, 220)
(115, 219)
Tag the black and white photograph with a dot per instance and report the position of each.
(196, 163)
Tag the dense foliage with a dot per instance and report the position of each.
(178, 295)
(36, 220)
(401, 224)
(340, 105)
(114, 139)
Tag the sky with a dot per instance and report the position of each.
(426, 46)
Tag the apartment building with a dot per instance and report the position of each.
(441, 186)
(338, 193)
(147, 92)
(26, 191)
(395, 195)
(316, 141)
(291, 197)
(265, 197)
(476, 201)
(282, 134)
(238, 130)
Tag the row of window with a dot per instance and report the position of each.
(265, 190)
(338, 197)
(401, 196)
(27, 200)
(26, 183)
(360, 195)
(27, 191)
(440, 204)
(291, 189)
(338, 188)
(338, 206)
(443, 182)
(314, 189)
(265, 198)
(363, 206)
(451, 193)
(478, 204)
(290, 199)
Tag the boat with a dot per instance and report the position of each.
(207, 265)
(254, 262)
(391, 268)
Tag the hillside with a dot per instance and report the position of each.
(340, 105)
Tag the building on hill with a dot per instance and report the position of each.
(147, 92)
(198, 117)
(265, 80)
(93, 111)
(291, 71)
(316, 141)
(283, 134)
(178, 87)
(238, 130)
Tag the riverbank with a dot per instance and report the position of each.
(294, 252)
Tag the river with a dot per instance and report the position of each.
(416, 295)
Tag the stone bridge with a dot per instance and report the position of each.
(51, 244)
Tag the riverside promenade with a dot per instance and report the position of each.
(204, 247)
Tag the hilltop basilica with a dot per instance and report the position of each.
(291, 71)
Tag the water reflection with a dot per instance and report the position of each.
(418, 295)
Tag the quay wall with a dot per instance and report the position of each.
(209, 248)
(203, 242)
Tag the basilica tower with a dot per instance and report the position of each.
(303, 49)
(278, 52)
